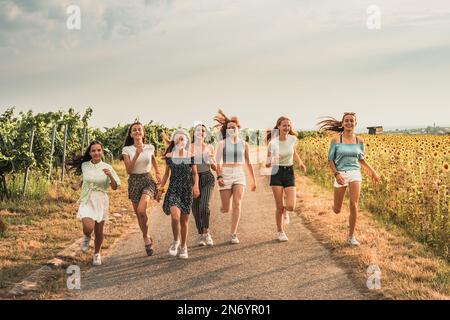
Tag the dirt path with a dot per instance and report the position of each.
(258, 268)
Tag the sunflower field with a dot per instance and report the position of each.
(415, 182)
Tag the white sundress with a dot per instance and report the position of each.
(94, 200)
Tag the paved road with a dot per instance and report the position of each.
(258, 268)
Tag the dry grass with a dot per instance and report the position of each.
(39, 229)
(408, 269)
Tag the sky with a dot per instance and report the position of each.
(178, 61)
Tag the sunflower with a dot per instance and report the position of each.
(445, 167)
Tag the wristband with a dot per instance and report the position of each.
(336, 173)
(219, 177)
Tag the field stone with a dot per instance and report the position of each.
(57, 263)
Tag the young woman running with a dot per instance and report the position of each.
(98, 176)
(345, 158)
(183, 187)
(139, 158)
(232, 154)
(204, 159)
(281, 154)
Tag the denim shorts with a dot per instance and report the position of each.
(282, 176)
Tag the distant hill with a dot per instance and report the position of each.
(427, 130)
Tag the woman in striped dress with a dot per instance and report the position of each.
(204, 159)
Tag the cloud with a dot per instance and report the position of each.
(41, 25)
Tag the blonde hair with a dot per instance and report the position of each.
(279, 121)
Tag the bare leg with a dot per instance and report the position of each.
(98, 236)
(88, 226)
(225, 197)
(291, 198)
(238, 194)
(339, 194)
(354, 190)
(141, 213)
(184, 221)
(175, 214)
(278, 195)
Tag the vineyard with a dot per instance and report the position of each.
(34, 148)
(414, 192)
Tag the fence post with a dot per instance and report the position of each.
(52, 151)
(64, 152)
(27, 171)
(84, 138)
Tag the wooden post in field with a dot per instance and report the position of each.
(51, 152)
(64, 152)
(27, 171)
(84, 138)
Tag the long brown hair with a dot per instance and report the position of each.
(195, 128)
(280, 119)
(332, 124)
(222, 122)
(129, 141)
(75, 163)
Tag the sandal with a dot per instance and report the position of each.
(149, 248)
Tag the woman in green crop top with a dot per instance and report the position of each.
(345, 159)
(232, 155)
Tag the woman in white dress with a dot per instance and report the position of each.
(98, 176)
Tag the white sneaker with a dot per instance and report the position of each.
(209, 240)
(352, 241)
(282, 237)
(183, 253)
(85, 243)
(287, 218)
(97, 260)
(173, 250)
(234, 239)
(201, 240)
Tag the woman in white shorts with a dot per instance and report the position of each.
(98, 176)
(345, 158)
(231, 156)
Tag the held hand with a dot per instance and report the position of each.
(340, 179)
(196, 192)
(158, 177)
(221, 182)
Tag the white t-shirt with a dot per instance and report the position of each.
(283, 151)
(144, 162)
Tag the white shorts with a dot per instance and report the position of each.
(349, 176)
(232, 176)
(96, 207)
